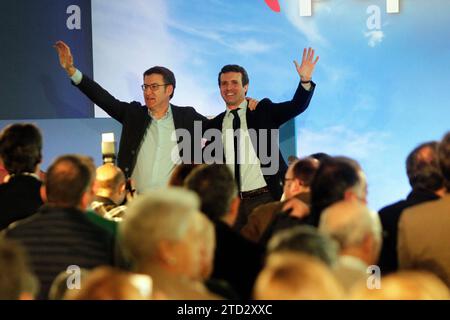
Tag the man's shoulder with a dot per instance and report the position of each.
(431, 211)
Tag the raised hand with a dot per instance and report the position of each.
(306, 69)
(65, 57)
(252, 103)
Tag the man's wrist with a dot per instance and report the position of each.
(71, 70)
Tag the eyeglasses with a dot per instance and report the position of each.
(154, 87)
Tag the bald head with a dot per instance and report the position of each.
(404, 285)
(110, 182)
(356, 228)
(295, 276)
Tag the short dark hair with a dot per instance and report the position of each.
(423, 171)
(21, 147)
(444, 159)
(235, 68)
(333, 178)
(14, 270)
(216, 188)
(305, 239)
(168, 76)
(68, 178)
(305, 170)
(180, 173)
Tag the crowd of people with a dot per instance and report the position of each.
(173, 225)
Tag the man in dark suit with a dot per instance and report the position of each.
(257, 163)
(20, 150)
(427, 184)
(60, 235)
(146, 143)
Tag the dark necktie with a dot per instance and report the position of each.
(236, 126)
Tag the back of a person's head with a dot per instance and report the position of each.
(107, 283)
(16, 280)
(306, 240)
(180, 173)
(444, 159)
(422, 168)
(67, 281)
(68, 178)
(404, 285)
(350, 223)
(305, 170)
(207, 235)
(21, 147)
(333, 178)
(320, 156)
(295, 276)
(165, 214)
(109, 177)
(216, 188)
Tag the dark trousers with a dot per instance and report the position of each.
(246, 207)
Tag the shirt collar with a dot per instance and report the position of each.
(166, 116)
(242, 109)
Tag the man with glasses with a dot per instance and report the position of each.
(146, 143)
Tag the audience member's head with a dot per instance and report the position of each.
(107, 283)
(160, 231)
(299, 176)
(66, 282)
(69, 181)
(20, 148)
(356, 229)
(180, 173)
(208, 245)
(294, 276)
(217, 190)
(444, 159)
(306, 240)
(404, 285)
(16, 280)
(320, 156)
(338, 178)
(110, 183)
(422, 168)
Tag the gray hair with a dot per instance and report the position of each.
(349, 222)
(307, 240)
(164, 214)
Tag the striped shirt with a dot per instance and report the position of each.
(56, 238)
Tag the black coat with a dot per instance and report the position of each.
(135, 119)
(390, 216)
(269, 115)
(20, 198)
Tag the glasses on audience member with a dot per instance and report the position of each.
(154, 86)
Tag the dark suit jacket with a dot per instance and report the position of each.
(389, 216)
(236, 260)
(19, 198)
(269, 115)
(135, 119)
(56, 238)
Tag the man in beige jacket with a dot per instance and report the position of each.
(424, 235)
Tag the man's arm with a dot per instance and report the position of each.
(284, 111)
(114, 107)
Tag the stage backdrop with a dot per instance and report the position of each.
(31, 87)
(381, 80)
